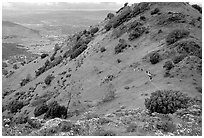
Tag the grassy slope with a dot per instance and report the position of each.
(88, 82)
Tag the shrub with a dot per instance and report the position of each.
(137, 32)
(67, 54)
(155, 11)
(55, 110)
(110, 15)
(40, 109)
(21, 119)
(176, 35)
(120, 47)
(189, 47)
(140, 8)
(143, 18)
(94, 30)
(15, 105)
(154, 58)
(48, 79)
(26, 80)
(197, 7)
(118, 20)
(168, 65)
(78, 51)
(15, 66)
(53, 56)
(102, 49)
(108, 26)
(166, 101)
(133, 25)
(44, 55)
(4, 65)
(178, 58)
(57, 47)
(4, 72)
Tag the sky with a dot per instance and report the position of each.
(98, 1)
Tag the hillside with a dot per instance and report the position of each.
(10, 29)
(100, 76)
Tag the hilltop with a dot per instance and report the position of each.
(97, 77)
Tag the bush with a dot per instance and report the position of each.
(137, 32)
(178, 58)
(140, 8)
(15, 66)
(21, 119)
(189, 47)
(15, 105)
(143, 18)
(108, 26)
(176, 35)
(197, 7)
(155, 11)
(120, 47)
(154, 58)
(78, 51)
(26, 80)
(55, 110)
(133, 25)
(40, 109)
(48, 79)
(118, 20)
(102, 49)
(110, 15)
(94, 30)
(166, 101)
(4, 72)
(44, 55)
(57, 47)
(168, 65)
(4, 65)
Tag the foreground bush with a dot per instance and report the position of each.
(166, 101)
(176, 35)
(55, 110)
(41, 109)
(154, 58)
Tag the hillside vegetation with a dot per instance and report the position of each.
(96, 83)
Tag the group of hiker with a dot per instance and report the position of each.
(147, 72)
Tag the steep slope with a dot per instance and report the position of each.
(103, 68)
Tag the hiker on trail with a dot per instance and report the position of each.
(149, 75)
